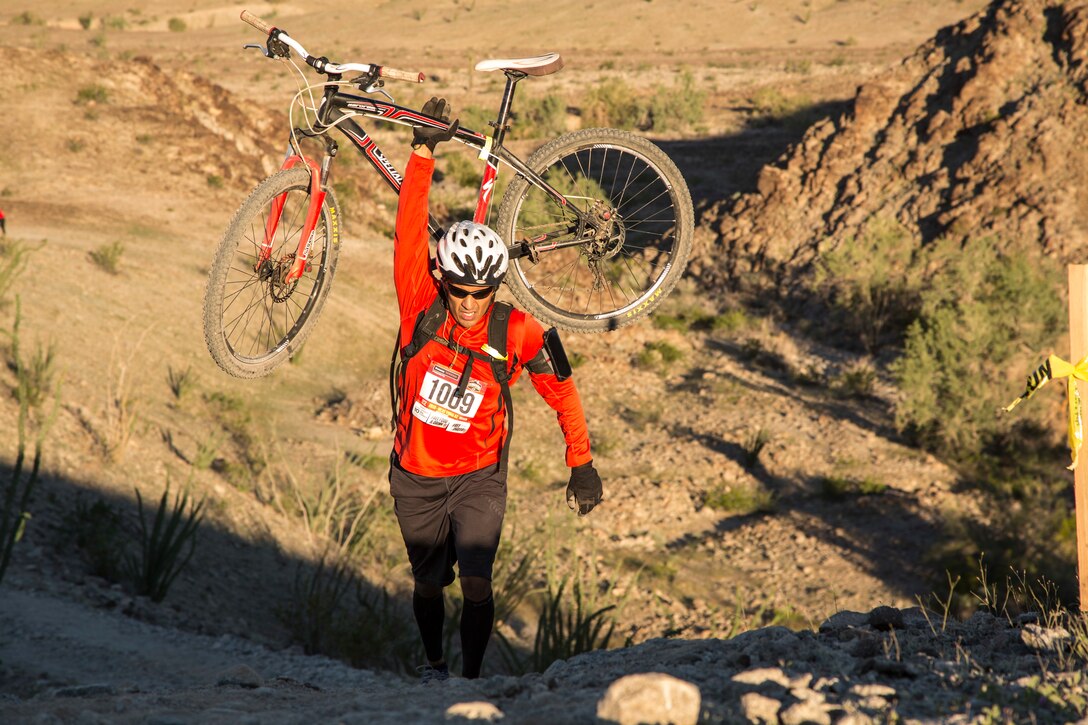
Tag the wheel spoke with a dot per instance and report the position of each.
(624, 259)
(257, 312)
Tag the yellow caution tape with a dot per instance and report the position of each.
(1054, 368)
(485, 151)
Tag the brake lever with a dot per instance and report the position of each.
(258, 46)
(373, 84)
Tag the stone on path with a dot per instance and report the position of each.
(651, 698)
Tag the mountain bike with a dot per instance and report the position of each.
(598, 222)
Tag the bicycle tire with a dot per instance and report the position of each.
(241, 293)
(632, 264)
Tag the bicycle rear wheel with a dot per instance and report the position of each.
(615, 268)
(254, 319)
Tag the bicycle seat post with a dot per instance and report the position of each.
(501, 124)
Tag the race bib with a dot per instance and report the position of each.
(436, 404)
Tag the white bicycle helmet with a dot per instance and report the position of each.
(472, 253)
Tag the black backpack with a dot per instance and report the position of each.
(426, 329)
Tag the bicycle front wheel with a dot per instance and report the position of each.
(255, 316)
(617, 260)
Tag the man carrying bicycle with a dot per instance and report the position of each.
(453, 417)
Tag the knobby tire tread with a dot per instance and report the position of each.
(233, 237)
(552, 152)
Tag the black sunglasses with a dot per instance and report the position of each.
(480, 294)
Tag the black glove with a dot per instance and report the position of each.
(584, 490)
(429, 136)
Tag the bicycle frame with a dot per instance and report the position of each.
(339, 110)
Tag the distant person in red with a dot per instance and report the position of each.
(3, 227)
(448, 472)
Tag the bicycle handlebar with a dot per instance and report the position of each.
(322, 65)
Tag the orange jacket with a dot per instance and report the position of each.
(434, 438)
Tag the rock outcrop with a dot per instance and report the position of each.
(978, 133)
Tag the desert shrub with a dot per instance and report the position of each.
(180, 381)
(14, 258)
(206, 450)
(840, 487)
(19, 487)
(658, 354)
(694, 318)
(539, 117)
(476, 118)
(314, 604)
(215, 181)
(871, 285)
(167, 543)
(27, 18)
(97, 531)
(176, 25)
(772, 107)
(981, 312)
(856, 381)
(678, 106)
(612, 103)
(92, 94)
(738, 499)
(754, 444)
(107, 257)
(463, 170)
(379, 632)
(85, 21)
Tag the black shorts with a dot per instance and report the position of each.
(447, 521)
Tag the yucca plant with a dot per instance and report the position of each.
(314, 607)
(15, 507)
(163, 543)
(563, 632)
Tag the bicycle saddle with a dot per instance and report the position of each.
(540, 65)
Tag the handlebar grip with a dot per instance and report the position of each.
(400, 75)
(256, 22)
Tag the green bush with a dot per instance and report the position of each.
(544, 117)
(96, 530)
(27, 18)
(871, 285)
(840, 487)
(680, 106)
(16, 491)
(463, 169)
(108, 256)
(92, 94)
(85, 21)
(738, 499)
(658, 354)
(694, 318)
(612, 103)
(177, 25)
(985, 318)
(113, 22)
(14, 258)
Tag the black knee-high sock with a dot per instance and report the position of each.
(477, 619)
(430, 613)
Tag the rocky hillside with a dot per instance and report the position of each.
(887, 665)
(977, 133)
